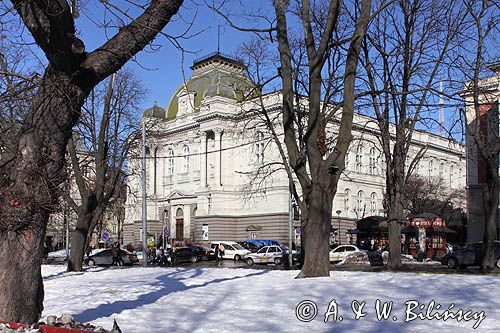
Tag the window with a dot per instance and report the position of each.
(359, 203)
(430, 168)
(170, 163)
(359, 159)
(347, 194)
(185, 158)
(373, 203)
(441, 171)
(259, 146)
(373, 162)
(346, 163)
(452, 175)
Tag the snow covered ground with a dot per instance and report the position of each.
(246, 300)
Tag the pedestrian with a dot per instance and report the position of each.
(114, 254)
(217, 250)
(221, 250)
(162, 256)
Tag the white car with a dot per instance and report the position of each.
(341, 252)
(232, 250)
(266, 255)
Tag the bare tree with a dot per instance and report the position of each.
(481, 109)
(31, 168)
(303, 62)
(106, 130)
(403, 52)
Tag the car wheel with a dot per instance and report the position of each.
(237, 257)
(194, 259)
(249, 261)
(91, 262)
(497, 263)
(277, 261)
(452, 263)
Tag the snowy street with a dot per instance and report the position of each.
(247, 300)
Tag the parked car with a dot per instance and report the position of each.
(205, 253)
(266, 255)
(104, 257)
(184, 254)
(469, 255)
(250, 246)
(341, 252)
(232, 250)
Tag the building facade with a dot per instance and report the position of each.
(213, 168)
(488, 99)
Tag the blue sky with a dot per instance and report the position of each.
(161, 69)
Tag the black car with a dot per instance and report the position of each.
(204, 252)
(184, 254)
(105, 257)
(469, 255)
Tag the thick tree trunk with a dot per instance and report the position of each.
(32, 170)
(80, 237)
(21, 288)
(79, 243)
(316, 233)
(490, 203)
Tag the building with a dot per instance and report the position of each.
(489, 96)
(212, 169)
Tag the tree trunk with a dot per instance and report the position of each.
(31, 174)
(316, 233)
(395, 217)
(80, 237)
(79, 243)
(20, 274)
(490, 203)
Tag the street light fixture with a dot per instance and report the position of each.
(338, 218)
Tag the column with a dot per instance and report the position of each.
(218, 156)
(203, 160)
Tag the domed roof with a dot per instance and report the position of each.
(154, 112)
(213, 75)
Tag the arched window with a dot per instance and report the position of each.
(347, 194)
(373, 203)
(346, 159)
(373, 162)
(185, 158)
(170, 163)
(452, 175)
(359, 202)
(259, 146)
(359, 159)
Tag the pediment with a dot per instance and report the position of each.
(253, 227)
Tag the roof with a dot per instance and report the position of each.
(213, 75)
(154, 112)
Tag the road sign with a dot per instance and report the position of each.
(105, 235)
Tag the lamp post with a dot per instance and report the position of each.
(338, 218)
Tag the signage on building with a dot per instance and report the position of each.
(204, 232)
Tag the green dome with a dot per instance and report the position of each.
(214, 75)
(154, 112)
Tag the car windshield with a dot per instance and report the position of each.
(238, 246)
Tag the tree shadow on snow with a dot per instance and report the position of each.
(168, 283)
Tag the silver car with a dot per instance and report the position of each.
(266, 255)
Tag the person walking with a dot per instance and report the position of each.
(217, 251)
(221, 250)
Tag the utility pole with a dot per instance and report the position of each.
(144, 203)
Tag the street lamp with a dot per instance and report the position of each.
(338, 218)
